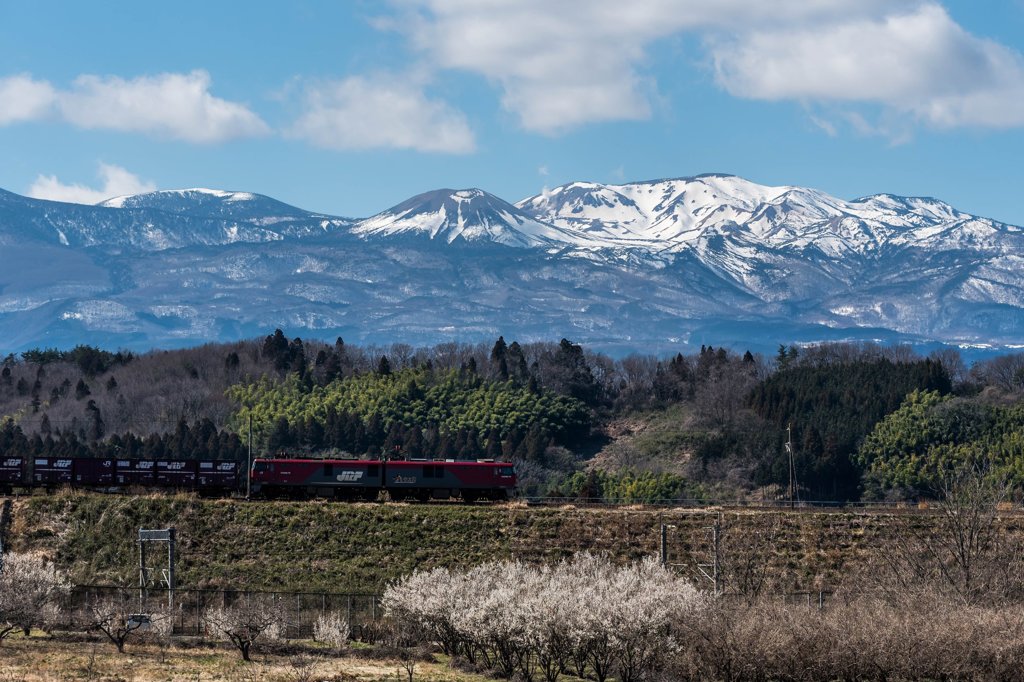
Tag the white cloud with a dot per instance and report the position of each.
(173, 105)
(24, 99)
(381, 112)
(116, 182)
(565, 64)
(919, 62)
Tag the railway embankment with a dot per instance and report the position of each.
(338, 547)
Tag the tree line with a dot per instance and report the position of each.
(550, 407)
(199, 440)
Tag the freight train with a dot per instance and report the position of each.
(350, 479)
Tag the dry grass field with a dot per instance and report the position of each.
(44, 659)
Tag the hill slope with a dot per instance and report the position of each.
(360, 547)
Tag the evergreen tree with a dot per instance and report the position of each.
(493, 444)
(570, 375)
(332, 368)
(275, 349)
(81, 389)
(281, 436)
(591, 488)
(95, 421)
(412, 444)
(516, 362)
(446, 447)
(392, 446)
(499, 359)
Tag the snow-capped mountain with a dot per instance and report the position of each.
(470, 215)
(158, 220)
(648, 266)
(213, 203)
(676, 214)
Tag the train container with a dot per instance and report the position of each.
(93, 472)
(12, 471)
(217, 475)
(346, 478)
(51, 471)
(176, 473)
(470, 480)
(135, 472)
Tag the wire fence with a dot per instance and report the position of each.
(755, 504)
(188, 608)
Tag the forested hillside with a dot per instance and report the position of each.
(914, 449)
(864, 419)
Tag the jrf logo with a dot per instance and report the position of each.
(350, 476)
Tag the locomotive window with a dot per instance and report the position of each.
(260, 466)
(328, 470)
(438, 472)
(506, 471)
(373, 470)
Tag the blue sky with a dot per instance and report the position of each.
(351, 107)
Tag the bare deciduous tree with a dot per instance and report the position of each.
(118, 619)
(245, 623)
(30, 592)
(744, 559)
(966, 552)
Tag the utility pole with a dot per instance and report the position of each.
(664, 554)
(664, 546)
(792, 470)
(248, 468)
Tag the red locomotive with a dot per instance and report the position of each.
(402, 479)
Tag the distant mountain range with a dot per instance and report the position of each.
(653, 266)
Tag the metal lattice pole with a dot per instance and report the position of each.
(163, 535)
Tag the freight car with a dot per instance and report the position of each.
(208, 477)
(401, 479)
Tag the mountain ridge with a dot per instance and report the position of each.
(630, 266)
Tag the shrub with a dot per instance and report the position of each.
(332, 628)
